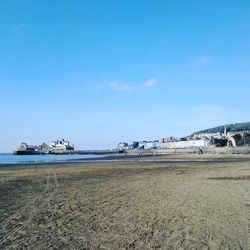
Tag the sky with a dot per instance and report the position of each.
(101, 72)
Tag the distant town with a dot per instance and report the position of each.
(232, 136)
(197, 140)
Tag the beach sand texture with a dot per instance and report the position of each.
(126, 205)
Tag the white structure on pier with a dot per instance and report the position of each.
(61, 145)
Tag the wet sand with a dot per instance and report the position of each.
(154, 202)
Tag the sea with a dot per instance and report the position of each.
(9, 158)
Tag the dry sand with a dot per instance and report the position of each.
(149, 204)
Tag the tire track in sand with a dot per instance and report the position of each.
(51, 175)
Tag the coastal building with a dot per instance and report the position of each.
(187, 144)
(61, 145)
(223, 138)
(25, 149)
(24, 146)
(150, 145)
(173, 139)
(140, 145)
(122, 146)
(230, 139)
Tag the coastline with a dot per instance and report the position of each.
(146, 157)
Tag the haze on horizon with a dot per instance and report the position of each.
(100, 72)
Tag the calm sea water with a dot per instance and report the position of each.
(6, 158)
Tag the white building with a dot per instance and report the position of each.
(188, 144)
(122, 146)
(61, 145)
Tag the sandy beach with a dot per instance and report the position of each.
(157, 202)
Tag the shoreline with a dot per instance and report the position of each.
(149, 158)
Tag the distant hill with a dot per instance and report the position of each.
(237, 127)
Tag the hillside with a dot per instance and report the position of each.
(237, 127)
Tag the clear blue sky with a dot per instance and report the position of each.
(100, 72)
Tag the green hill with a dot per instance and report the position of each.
(237, 127)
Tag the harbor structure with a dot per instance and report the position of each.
(61, 145)
(54, 147)
(25, 149)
